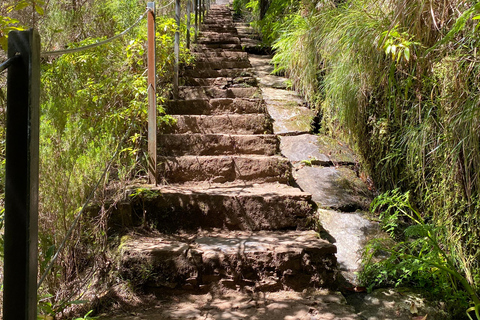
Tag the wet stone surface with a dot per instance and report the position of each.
(336, 188)
(349, 232)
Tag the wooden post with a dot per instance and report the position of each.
(21, 188)
(152, 97)
(189, 4)
(176, 49)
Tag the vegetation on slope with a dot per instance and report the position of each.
(399, 79)
(91, 101)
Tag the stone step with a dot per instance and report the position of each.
(219, 54)
(223, 46)
(219, 39)
(221, 169)
(216, 144)
(195, 92)
(239, 82)
(226, 124)
(222, 73)
(216, 21)
(225, 28)
(222, 64)
(228, 206)
(263, 261)
(214, 106)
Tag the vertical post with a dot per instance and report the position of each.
(189, 5)
(152, 96)
(196, 19)
(21, 190)
(202, 10)
(176, 49)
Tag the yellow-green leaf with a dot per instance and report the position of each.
(406, 53)
(39, 10)
(21, 5)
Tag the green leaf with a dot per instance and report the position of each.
(39, 10)
(21, 5)
(406, 53)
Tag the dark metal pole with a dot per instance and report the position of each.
(152, 99)
(21, 190)
(189, 5)
(176, 49)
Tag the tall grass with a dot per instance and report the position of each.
(400, 80)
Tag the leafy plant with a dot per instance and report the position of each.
(421, 258)
(397, 44)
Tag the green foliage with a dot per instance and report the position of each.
(87, 316)
(6, 25)
(422, 258)
(11, 14)
(397, 44)
(2, 220)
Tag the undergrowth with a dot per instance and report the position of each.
(417, 254)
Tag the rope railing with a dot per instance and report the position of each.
(94, 45)
(21, 229)
(165, 6)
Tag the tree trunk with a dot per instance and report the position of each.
(264, 4)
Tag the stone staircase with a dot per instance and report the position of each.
(226, 213)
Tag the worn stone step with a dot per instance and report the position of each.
(223, 46)
(239, 82)
(212, 23)
(216, 144)
(222, 64)
(206, 205)
(225, 28)
(220, 169)
(263, 261)
(219, 54)
(195, 92)
(214, 106)
(227, 124)
(222, 73)
(219, 39)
